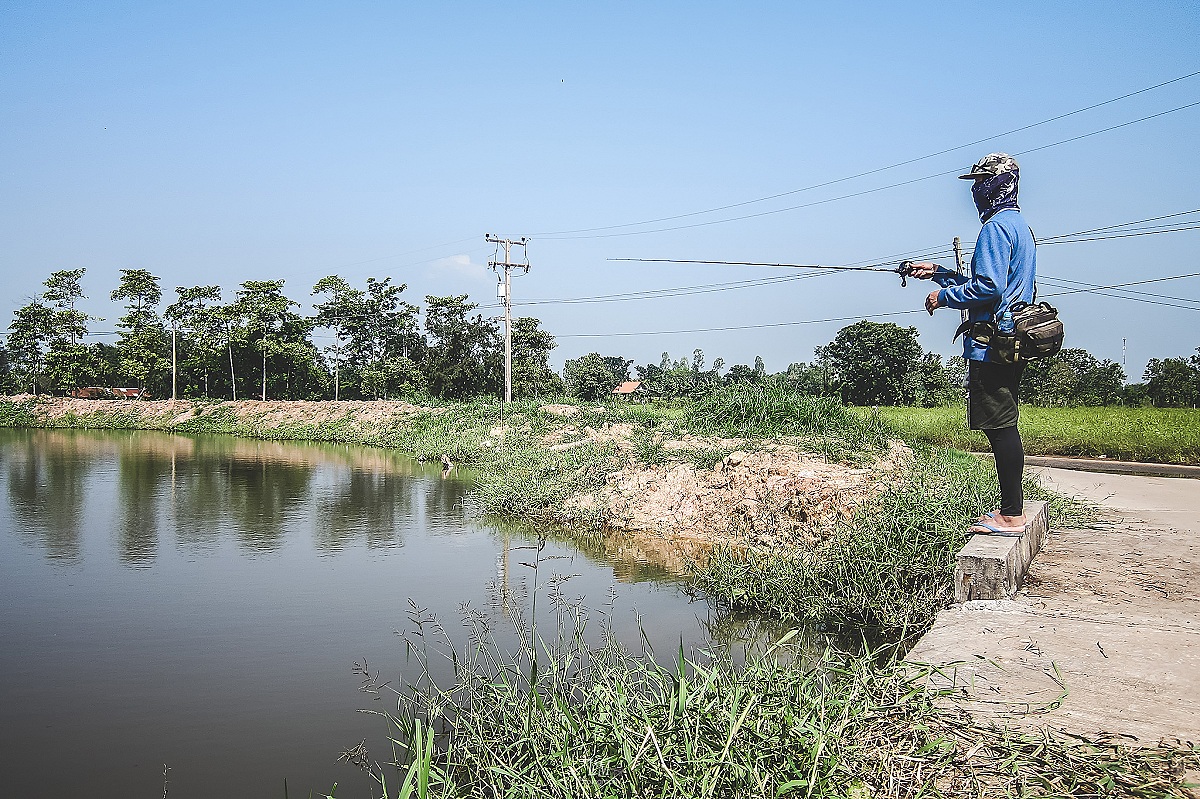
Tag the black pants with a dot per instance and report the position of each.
(993, 396)
(1010, 462)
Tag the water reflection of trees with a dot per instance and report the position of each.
(46, 490)
(206, 489)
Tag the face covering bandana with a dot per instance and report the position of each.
(995, 194)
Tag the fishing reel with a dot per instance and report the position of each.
(905, 270)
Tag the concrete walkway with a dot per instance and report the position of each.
(1104, 638)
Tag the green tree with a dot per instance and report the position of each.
(275, 331)
(6, 377)
(806, 379)
(195, 315)
(1173, 382)
(69, 362)
(63, 290)
(873, 362)
(394, 376)
(341, 312)
(375, 331)
(143, 343)
(1072, 377)
(594, 376)
(681, 378)
(930, 384)
(741, 373)
(1135, 395)
(228, 324)
(464, 357)
(28, 341)
(531, 372)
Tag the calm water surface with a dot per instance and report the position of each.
(201, 602)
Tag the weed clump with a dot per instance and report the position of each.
(890, 568)
(768, 410)
(561, 718)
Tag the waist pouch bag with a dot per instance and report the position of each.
(1037, 333)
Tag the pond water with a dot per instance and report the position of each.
(200, 603)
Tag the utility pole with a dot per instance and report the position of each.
(173, 369)
(337, 359)
(504, 292)
(960, 267)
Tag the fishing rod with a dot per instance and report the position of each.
(904, 270)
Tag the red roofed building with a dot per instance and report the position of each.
(631, 388)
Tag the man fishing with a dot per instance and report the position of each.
(1003, 267)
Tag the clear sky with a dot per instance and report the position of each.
(219, 142)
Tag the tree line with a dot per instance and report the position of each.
(370, 343)
(360, 343)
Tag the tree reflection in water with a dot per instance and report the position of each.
(197, 493)
(42, 482)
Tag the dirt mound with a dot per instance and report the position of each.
(56, 409)
(778, 498)
(366, 414)
(269, 415)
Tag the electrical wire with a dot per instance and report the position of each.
(876, 170)
(680, 291)
(1065, 283)
(864, 191)
(886, 314)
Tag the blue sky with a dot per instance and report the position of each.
(221, 142)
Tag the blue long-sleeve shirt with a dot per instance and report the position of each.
(1003, 269)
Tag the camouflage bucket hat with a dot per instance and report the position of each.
(991, 165)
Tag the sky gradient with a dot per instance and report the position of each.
(215, 143)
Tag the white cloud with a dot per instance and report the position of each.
(461, 265)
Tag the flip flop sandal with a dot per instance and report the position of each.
(997, 529)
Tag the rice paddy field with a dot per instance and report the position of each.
(1152, 435)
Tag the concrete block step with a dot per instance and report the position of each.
(992, 566)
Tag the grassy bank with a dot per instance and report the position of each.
(560, 717)
(1153, 435)
(891, 569)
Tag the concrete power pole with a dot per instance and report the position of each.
(959, 266)
(504, 291)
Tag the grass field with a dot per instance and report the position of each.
(1154, 435)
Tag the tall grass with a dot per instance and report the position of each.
(776, 411)
(890, 569)
(559, 717)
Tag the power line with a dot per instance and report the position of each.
(876, 170)
(885, 314)
(1063, 282)
(681, 291)
(1177, 229)
(742, 327)
(1135, 222)
(868, 191)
